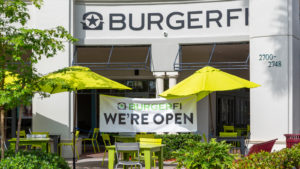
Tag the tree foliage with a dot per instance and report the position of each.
(20, 48)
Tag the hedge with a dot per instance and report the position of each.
(174, 142)
(33, 160)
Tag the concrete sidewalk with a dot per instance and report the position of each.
(94, 161)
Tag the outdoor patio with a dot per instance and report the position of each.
(93, 161)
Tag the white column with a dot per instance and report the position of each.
(159, 82)
(274, 53)
(172, 78)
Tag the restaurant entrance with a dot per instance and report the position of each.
(88, 101)
(233, 109)
(230, 108)
(129, 65)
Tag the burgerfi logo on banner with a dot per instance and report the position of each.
(149, 107)
(121, 114)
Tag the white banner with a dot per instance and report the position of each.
(121, 114)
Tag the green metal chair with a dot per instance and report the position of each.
(138, 136)
(106, 141)
(70, 144)
(93, 139)
(22, 135)
(38, 146)
(228, 128)
(228, 134)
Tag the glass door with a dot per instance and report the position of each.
(233, 109)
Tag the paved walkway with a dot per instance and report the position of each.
(93, 161)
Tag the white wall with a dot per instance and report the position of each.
(295, 117)
(274, 104)
(268, 103)
(164, 42)
(53, 114)
(295, 41)
(163, 54)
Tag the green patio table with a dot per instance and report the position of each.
(146, 149)
(43, 142)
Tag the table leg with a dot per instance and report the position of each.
(147, 154)
(161, 158)
(111, 158)
(242, 141)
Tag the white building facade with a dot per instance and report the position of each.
(165, 41)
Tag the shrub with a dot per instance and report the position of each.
(196, 155)
(286, 158)
(33, 160)
(175, 141)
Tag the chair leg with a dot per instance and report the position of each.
(76, 152)
(72, 148)
(93, 146)
(103, 157)
(98, 146)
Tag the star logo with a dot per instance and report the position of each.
(121, 106)
(92, 21)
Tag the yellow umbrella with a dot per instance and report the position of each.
(76, 78)
(205, 81)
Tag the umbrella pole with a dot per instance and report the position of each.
(74, 127)
(211, 116)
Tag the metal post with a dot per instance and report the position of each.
(74, 127)
(211, 54)
(93, 108)
(212, 130)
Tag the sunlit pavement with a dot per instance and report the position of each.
(94, 161)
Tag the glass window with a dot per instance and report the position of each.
(140, 89)
(233, 109)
